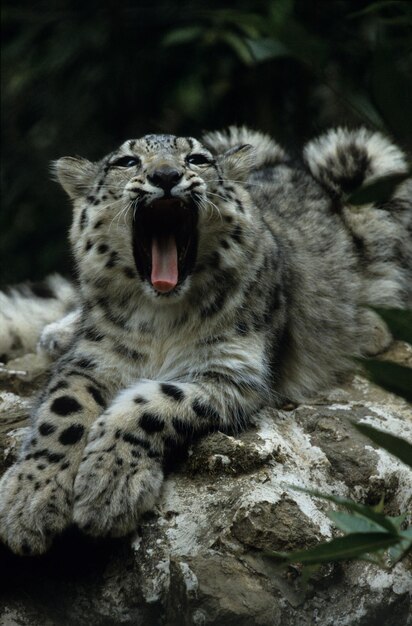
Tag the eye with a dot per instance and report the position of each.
(198, 159)
(126, 161)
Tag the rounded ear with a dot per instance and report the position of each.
(74, 174)
(238, 161)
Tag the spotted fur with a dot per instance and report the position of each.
(272, 309)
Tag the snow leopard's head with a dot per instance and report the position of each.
(157, 208)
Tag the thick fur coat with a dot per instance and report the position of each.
(214, 277)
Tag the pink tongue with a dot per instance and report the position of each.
(165, 272)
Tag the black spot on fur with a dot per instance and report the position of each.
(83, 374)
(182, 428)
(102, 248)
(99, 223)
(84, 363)
(212, 340)
(83, 219)
(39, 453)
(223, 285)
(140, 400)
(239, 205)
(71, 435)
(136, 441)
(53, 457)
(359, 163)
(205, 411)
(215, 306)
(46, 429)
(65, 465)
(242, 328)
(62, 384)
(225, 244)
(134, 355)
(172, 391)
(236, 234)
(97, 396)
(153, 454)
(114, 257)
(93, 335)
(88, 245)
(65, 405)
(151, 423)
(129, 272)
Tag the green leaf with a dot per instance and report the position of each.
(266, 48)
(362, 509)
(239, 46)
(377, 192)
(399, 322)
(376, 7)
(353, 546)
(397, 446)
(399, 551)
(353, 523)
(391, 376)
(182, 35)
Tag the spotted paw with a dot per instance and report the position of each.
(114, 486)
(34, 506)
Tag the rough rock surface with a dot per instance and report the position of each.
(200, 558)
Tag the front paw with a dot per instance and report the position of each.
(57, 336)
(113, 488)
(35, 505)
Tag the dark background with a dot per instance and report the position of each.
(79, 77)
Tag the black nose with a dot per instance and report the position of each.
(165, 177)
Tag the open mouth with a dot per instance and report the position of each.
(165, 242)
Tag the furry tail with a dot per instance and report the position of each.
(343, 160)
(27, 308)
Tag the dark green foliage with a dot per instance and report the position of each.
(378, 192)
(79, 77)
(354, 545)
(368, 535)
(392, 376)
(395, 445)
(399, 322)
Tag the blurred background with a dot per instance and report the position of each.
(80, 77)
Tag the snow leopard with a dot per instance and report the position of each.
(215, 276)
